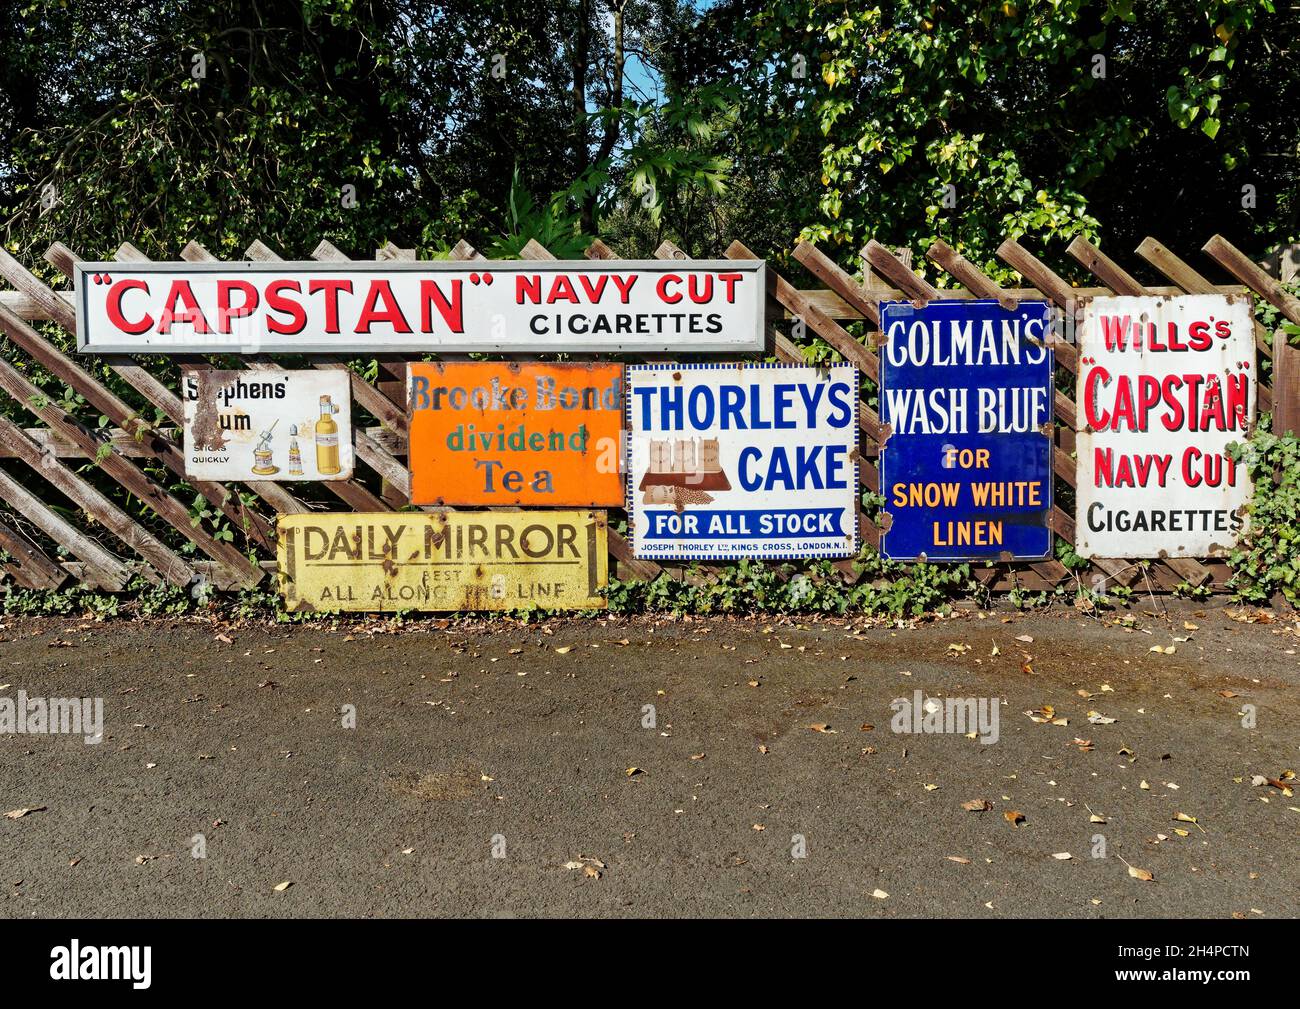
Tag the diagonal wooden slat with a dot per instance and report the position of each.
(164, 399)
(829, 273)
(946, 257)
(1182, 274)
(1048, 284)
(118, 467)
(96, 507)
(895, 270)
(102, 569)
(1240, 266)
(28, 565)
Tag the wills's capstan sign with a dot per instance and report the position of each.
(253, 308)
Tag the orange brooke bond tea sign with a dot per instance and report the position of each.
(516, 434)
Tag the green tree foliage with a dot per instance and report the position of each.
(358, 122)
(911, 121)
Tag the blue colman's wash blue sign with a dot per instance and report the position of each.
(966, 465)
(742, 460)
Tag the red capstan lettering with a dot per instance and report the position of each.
(1191, 401)
(226, 311)
(113, 306)
(277, 302)
(331, 289)
(381, 290)
(181, 294)
(450, 309)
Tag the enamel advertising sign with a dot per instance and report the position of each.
(444, 561)
(966, 400)
(516, 434)
(417, 307)
(1165, 385)
(267, 425)
(742, 460)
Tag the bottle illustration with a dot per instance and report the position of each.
(295, 453)
(327, 439)
(262, 464)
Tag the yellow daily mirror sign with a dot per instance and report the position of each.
(461, 560)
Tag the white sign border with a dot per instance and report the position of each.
(756, 343)
(855, 487)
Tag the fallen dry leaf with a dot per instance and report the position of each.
(1046, 714)
(281, 887)
(1142, 874)
(15, 814)
(1062, 856)
(959, 860)
(1014, 817)
(879, 894)
(632, 772)
(977, 806)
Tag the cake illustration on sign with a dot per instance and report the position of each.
(682, 472)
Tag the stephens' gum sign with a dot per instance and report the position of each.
(444, 561)
(511, 434)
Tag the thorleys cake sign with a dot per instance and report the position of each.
(966, 400)
(1165, 385)
(730, 461)
(252, 308)
(268, 425)
(502, 433)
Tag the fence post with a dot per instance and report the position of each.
(1286, 385)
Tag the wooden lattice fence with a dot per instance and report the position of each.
(58, 524)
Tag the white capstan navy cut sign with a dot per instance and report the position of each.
(966, 400)
(253, 308)
(742, 460)
(1166, 385)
